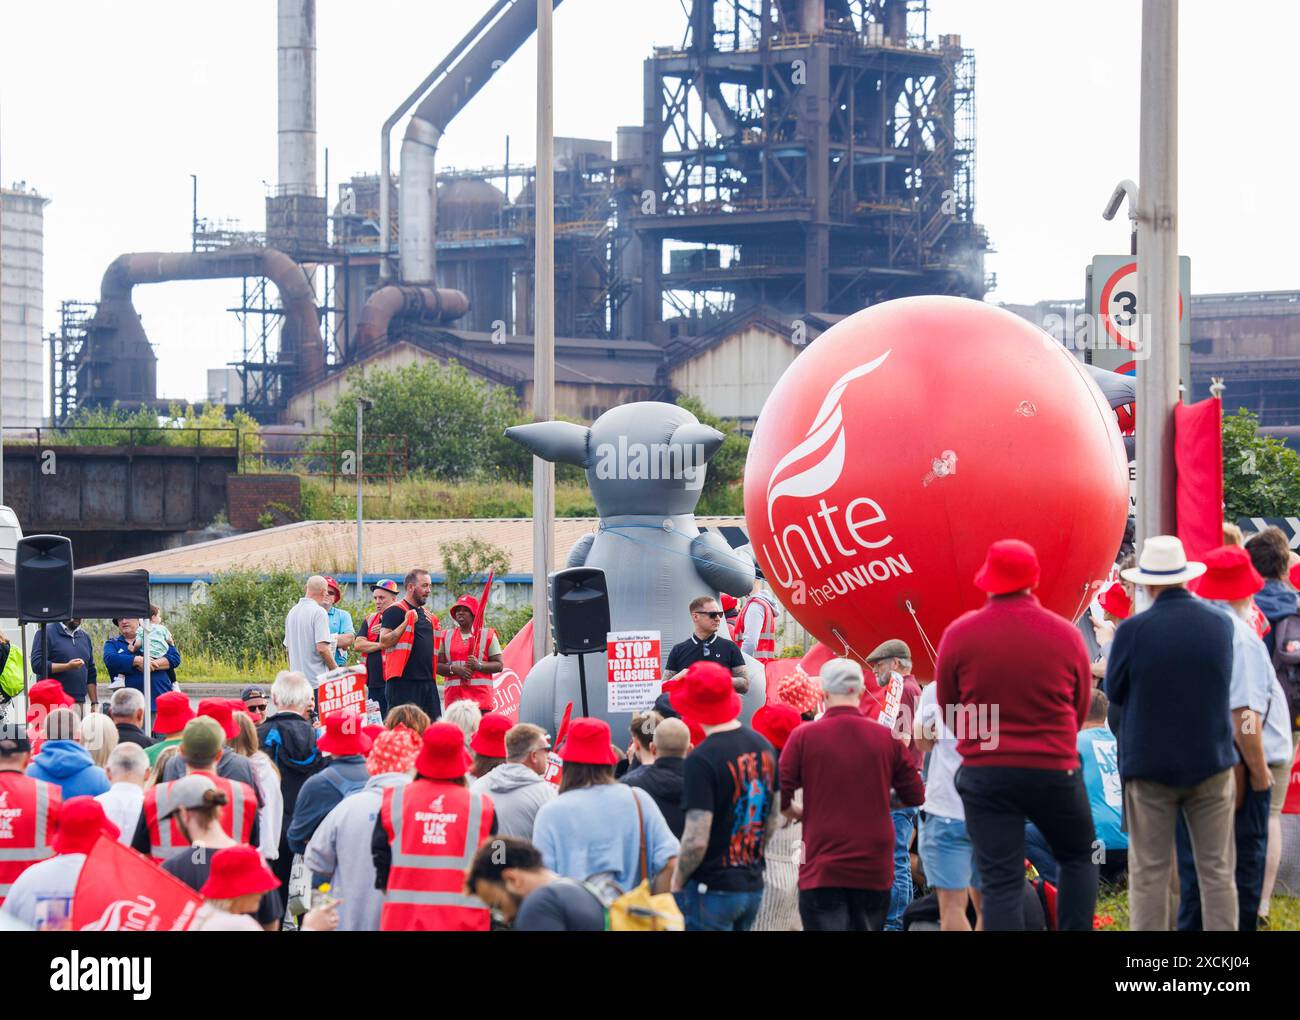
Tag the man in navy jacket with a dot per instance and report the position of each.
(1169, 672)
(124, 656)
(71, 660)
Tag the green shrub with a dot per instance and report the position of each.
(242, 621)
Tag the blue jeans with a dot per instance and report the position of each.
(718, 911)
(904, 823)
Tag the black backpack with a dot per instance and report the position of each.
(1286, 663)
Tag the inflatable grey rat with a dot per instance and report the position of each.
(645, 466)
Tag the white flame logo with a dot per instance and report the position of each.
(124, 915)
(827, 429)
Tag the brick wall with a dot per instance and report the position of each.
(248, 496)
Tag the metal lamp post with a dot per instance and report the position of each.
(363, 405)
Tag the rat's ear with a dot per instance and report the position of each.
(560, 442)
(695, 434)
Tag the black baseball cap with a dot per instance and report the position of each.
(14, 739)
(255, 691)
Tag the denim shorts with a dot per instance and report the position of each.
(946, 853)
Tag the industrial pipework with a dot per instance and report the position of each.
(417, 199)
(302, 351)
(459, 76)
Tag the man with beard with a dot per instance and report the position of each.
(406, 637)
(509, 876)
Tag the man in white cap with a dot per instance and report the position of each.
(1169, 674)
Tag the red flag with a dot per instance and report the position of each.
(516, 661)
(119, 890)
(811, 663)
(554, 764)
(476, 635)
(774, 672)
(1198, 457)
(816, 657)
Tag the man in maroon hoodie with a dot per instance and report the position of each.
(846, 765)
(1014, 684)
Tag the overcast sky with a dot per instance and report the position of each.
(107, 108)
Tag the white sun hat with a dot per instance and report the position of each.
(1163, 561)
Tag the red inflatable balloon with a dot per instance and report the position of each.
(903, 442)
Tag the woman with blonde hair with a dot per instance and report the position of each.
(99, 737)
(270, 815)
(466, 714)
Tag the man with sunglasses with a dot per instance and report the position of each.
(255, 702)
(706, 644)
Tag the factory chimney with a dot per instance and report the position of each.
(296, 93)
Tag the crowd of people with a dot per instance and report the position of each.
(1151, 745)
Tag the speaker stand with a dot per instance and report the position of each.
(582, 680)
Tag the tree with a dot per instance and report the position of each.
(465, 563)
(723, 493)
(453, 422)
(1261, 476)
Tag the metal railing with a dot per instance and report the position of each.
(110, 436)
(332, 455)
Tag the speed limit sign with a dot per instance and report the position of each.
(1117, 326)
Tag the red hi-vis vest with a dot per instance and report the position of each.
(765, 650)
(395, 658)
(237, 817)
(29, 812)
(434, 828)
(479, 686)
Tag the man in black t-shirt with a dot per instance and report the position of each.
(415, 684)
(508, 875)
(707, 645)
(730, 798)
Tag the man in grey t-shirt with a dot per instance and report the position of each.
(307, 633)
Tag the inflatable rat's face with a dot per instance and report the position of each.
(642, 458)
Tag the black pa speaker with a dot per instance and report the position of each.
(43, 578)
(579, 601)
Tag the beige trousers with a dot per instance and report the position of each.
(1151, 810)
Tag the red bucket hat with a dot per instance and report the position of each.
(343, 734)
(48, 695)
(800, 691)
(706, 694)
(1009, 566)
(776, 722)
(442, 754)
(489, 739)
(81, 822)
(238, 871)
(464, 602)
(1229, 574)
(1115, 601)
(588, 743)
(220, 710)
(394, 750)
(697, 731)
(238, 705)
(173, 712)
